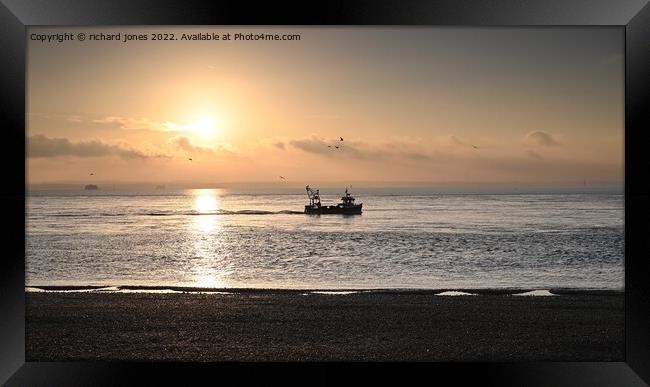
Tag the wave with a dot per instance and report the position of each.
(320, 291)
(71, 215)
(222, 212)
(183, 213)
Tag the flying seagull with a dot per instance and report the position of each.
(475, 147)
(336, 146)
(341, 138)
(190, 159)
(329, 146)
(282, 177)
(92, 173)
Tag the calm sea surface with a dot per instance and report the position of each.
(213, 238)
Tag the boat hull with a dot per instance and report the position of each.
(333, 210)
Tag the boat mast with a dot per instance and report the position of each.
(314, 197)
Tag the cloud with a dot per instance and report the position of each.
(348, 149)
(541, 138)
(533, 155)
(129, 123)
(75, 119)
(142, 124)
(185, 143)
(456, 141)
(40, 146)
(312, 144)
(416, 156)
(324, 116)
(360, 150)
(531, 168)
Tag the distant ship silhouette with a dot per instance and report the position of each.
(91, 187)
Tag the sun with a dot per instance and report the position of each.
(204, 126)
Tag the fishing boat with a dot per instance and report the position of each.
(90, 187)
(346, 207)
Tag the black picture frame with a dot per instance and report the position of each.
(632, 15)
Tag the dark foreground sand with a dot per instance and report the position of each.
(267, 325)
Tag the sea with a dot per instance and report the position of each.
(405, 239)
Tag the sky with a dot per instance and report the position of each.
(426, 105)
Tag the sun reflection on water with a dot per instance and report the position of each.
(205, 231)
(208, 281)
(204, 225)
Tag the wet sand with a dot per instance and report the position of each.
(296, 326)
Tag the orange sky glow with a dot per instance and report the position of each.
(426, 105)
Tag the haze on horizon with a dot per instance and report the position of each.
(541, 106)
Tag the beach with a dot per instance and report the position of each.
(295, 325)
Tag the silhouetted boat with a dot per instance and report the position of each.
(346, 207)
(91, 187)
